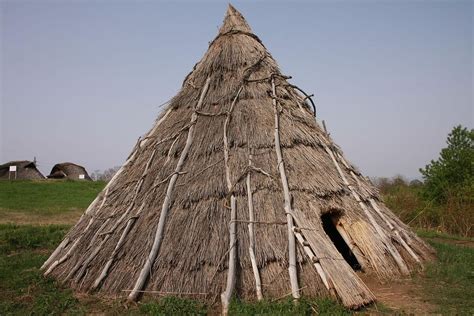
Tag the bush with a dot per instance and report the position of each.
(409, 203)
(453, 172)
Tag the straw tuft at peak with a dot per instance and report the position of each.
(234, 21)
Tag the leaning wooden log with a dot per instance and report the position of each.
(256, 274)
(313, 259)
(69, 252)
(231, 272)
(286, 194)
(375, 206)
(392, 250)
(352, 245)
(145, 272)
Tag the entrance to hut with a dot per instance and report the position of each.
(329, 221)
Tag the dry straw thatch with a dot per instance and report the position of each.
(69, 170)
(227, 195)
(25, 170)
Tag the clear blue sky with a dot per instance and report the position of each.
(82, 80)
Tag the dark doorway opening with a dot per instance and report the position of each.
(329, 224)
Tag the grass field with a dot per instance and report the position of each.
(446, 284)
(45, 202)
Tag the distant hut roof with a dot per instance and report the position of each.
(25, 170)
(69, 170)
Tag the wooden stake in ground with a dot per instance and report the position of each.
(392, 250)
(256, 274)
(286, 193)
(145, 272)
(231, 272)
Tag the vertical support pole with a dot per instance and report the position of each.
(286, 192)
(146, 269)
(231, 272)
(258, 283)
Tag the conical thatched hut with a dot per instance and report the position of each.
(24, 170)
(236, 190)
(69, 170)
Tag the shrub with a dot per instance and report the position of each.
(453, 172)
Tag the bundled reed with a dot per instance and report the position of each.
(224, 196)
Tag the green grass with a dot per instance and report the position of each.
(449, 281)
(23, 290)
(434, 234)
(47, 197)
(173, 306)
(287, 307)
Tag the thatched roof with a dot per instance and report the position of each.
(25, 170)
(230, 193)
(69, 170)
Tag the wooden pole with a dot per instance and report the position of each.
(61, 246)
(375, 207)
(393, 251)
(314, 260)
(68, 253)
(119, 244)
(286, 193)
(91, 207)
(353, 246)
(83, 265)
(145, 272)
(256, 274)
(231, 272)
(130, 222)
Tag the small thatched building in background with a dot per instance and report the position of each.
(20, 170)
(237, 190)
(69, 170)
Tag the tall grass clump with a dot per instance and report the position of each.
(444, 201)
(449, 281)
(455, 215)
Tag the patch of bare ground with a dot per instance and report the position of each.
(27, 218)
(402, 297)
(98, 305)
(457, 242)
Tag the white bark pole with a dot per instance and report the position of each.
(258, 283)
(354, 248)
(286, 192)
(106, 189)
(83, 265)
(393, 251)
(395, 231)
(130, 222)
(375, 206)
(69, 252)
(61, 246)
(120, 243)
(145, 272)
(231, 272)
(307, 249)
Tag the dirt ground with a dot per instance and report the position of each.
(402, 296)
(465, 243)
(24, 218)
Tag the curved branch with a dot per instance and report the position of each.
(307, 96)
